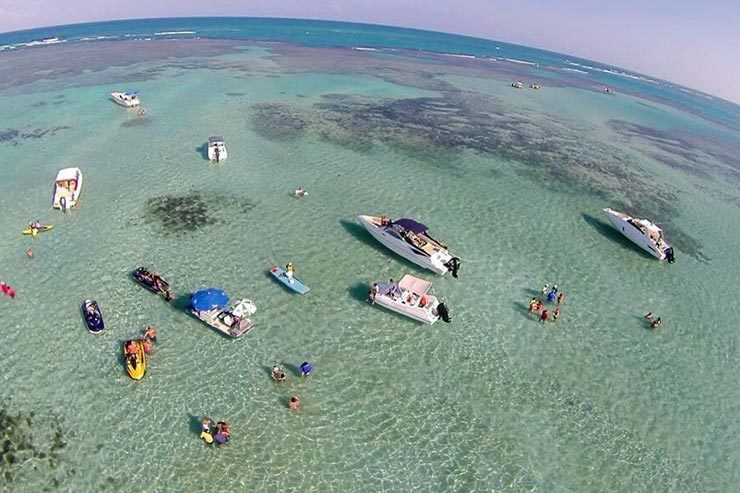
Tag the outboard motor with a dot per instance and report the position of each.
(454, 266)
(443, 313)
(669, 255)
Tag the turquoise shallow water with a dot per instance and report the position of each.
(493, 401)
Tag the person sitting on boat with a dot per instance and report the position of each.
(131, 348)
(151, 333)
(157, 282)
(423, 301)
(90, 309)
(289, 271)
(278, 374)
(205, 425)
(384, 221)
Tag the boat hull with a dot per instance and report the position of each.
(633, 234)
(399, 246)
(418, 314)
(216, 324)
(119, 99)
(63, 198)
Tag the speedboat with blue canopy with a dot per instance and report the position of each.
(211, 306)
(411, 240)
(128, 98)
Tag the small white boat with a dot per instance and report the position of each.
(216, 149)
(410, 297)
(643, 233)
(127, 99)
(67, 187)
(410, 239)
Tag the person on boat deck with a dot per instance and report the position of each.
(393, 288)
(131, 348)
(90, 309)
(384, 221)
(289, 270)
(151, 333)
(205, 425)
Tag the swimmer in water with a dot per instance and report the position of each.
(294, 403)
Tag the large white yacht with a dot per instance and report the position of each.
(411, 240)
(127, 99)
(216, 149)
(67, 188)
(643, 233)
(409, 297)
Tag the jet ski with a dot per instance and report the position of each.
(93, 317)
(152, 282)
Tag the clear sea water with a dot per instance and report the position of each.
(513, 180)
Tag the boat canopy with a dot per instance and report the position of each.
(411, 225)
(215, 139)
(208, 299)
(414, 284)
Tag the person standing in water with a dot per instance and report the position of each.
(649, 316)
(556, 313)
(543, 316)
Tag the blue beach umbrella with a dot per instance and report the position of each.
(208, 299)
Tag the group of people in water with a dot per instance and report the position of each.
(552, 295)
(656, 323)
(279, 375)
(221, 428)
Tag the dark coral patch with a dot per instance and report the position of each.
(183, 214)
(14, 136)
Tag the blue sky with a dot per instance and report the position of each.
(693, 43)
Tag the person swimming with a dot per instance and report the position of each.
(151, 333)
(278, 374)
(294, 403)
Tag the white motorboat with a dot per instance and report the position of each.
(410, 239)
(643, 233)
(127, 99)
(216, 149)
(67, 187)
(410, 297)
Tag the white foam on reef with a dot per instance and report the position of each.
(43, 42)
(575, 70)
(457, 55)
(363, 48)
(524, 62)
(616, 72)
(170, 33)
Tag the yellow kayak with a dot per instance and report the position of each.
(136, 362)
(34, 231)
